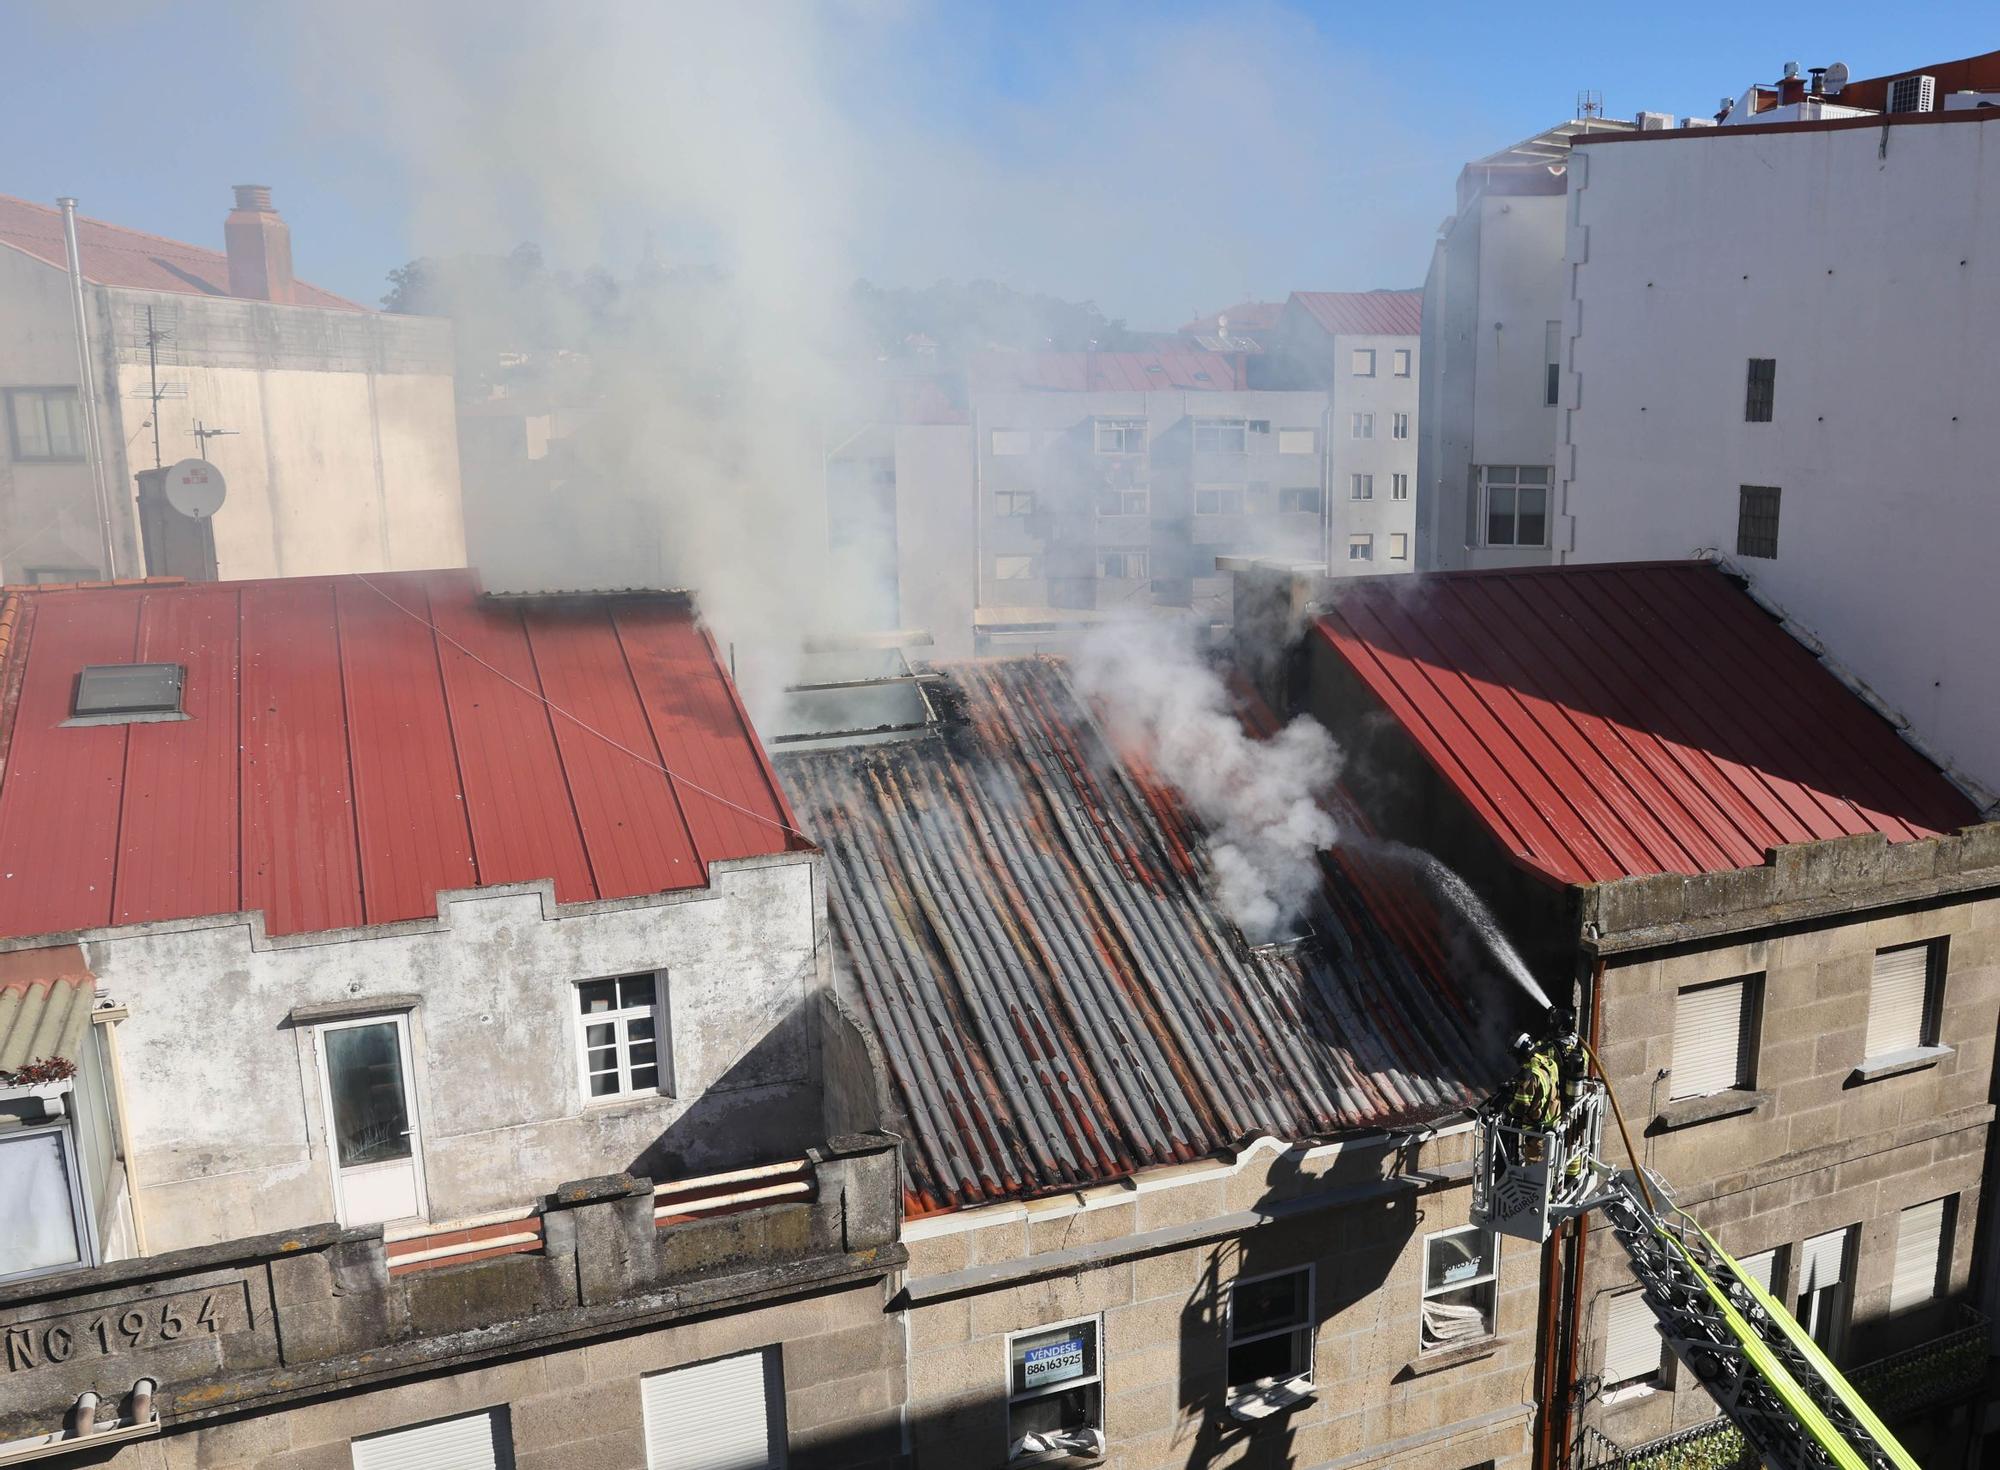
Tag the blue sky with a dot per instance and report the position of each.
(1157, 158)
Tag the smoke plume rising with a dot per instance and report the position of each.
(1257, 798)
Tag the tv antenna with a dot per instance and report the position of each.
(1589, 104)
(155, 335)
(202, 434)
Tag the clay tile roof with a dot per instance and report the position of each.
(1365, 313)
(45, 1001)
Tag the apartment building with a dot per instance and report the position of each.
(218, 354)
(1492, 354)
(1779, 922)
(419, 1044)
(1720, 282)
(1170, 1200)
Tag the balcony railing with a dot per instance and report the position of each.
(1930, 1375)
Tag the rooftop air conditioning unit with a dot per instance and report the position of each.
(1913, 94)
(1656, 122)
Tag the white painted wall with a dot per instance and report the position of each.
(228, 1134)
(1867, 262)
(1384, 395)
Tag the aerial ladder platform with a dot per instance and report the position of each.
(1762, 1368)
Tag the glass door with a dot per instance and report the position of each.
(372, 1119)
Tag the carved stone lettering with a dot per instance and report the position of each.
(121, 1328)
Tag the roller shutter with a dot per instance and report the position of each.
(1920, 1238)
(713, 1416)
(452, 1444)
(1631, 1341)
(1710, 1028)
(1822, 1261)
(1896, 999)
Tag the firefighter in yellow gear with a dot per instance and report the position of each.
(1535, 1097)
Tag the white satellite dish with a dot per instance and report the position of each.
(195, 488)
(1836, 78)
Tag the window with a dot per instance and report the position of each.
(1361, 487)
(1218, 502)
(41, 1203)
(1399, 426)
(1363, 362)
(1010, 441)
(1461, 1278)
(1517, 504)
(1631, 1344)
(45, 423)
(1401, 360)
(473, 1442)
(1221, 436)
(1121, 436)
(1552, 355)
(1260, 426)
(1122, 565)
(1923, 1253)
(1903, 998)
(1307, 499)
(1552, 385)
(1822, 1304)
(1757, 521)
(1013, 502)
(1270, 1329)
(1399, 487)
(1124, 502)
(1055, 1388)
(1013, 568)
(1761, 1268)
(1361, 425)
(1761, 390)
(116, 693)
(723, 1415)
(1296, 441)
(1714, 1038)
(1399, 546)
(617, 1032)
(1361, 547)
(43, 576)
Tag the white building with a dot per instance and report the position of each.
(1783, 344)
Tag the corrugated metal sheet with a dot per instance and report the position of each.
(115, 256)
(1061, 1000)
(344, 762)
(1612, 721)
(1106, 372)
(1365, 313)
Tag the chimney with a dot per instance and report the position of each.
(1793, 87)
(260, 247)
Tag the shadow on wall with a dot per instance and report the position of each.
(764, 1109)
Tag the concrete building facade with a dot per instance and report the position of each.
(333, 424)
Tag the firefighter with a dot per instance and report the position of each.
(1535, 1096)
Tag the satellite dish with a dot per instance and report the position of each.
(1836, 77)
(195, 488)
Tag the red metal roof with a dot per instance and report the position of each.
(1365, 313)
(115, 256)
(1245, 317)
(1101, 372)
(1610, 721)
(356, 744)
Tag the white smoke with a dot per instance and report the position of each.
(1257, 798)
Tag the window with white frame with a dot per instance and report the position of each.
(1270, 1329)
(1822, 1299)
(1401, 360)
(1516, 498)
(1362, 362)
(1221, 436)
(1010, 442)
(45, 424)
(1120, 436)
(1361, 547)
(1013, 568)
(620, 1030)
(1296, 441)
(1399, 426)
(1461, 1285)
(1399, 487)
(1360, 487)
(1055, 1390)
(1124, 502)
(1923, 1253)
(41, 1203)
(1219, 500)
(1123, 564)
(1632, 1345)
(1715, 1030)
(1903, 998)
(1399, 546)
(471, 1442)
(1306, 498)
(1013, 503)
(725, 1414)
(1361, 425)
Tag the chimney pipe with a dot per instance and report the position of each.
(260, 247)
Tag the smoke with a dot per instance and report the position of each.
(1257, 798)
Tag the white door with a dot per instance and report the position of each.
(372, 1120)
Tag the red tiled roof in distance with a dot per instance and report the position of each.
(358, 744)
(1365, 313)
(1611, 721)
(116, 256)
(1106, 372)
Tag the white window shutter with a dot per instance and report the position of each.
(1896, 996)
(712, 1416)
(1709, 1030)
(1822, 1260)
(1631, 1340)
(1760, 1267)
(1919, 1255)
(453, 1444)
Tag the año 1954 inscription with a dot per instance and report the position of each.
(126, 1327)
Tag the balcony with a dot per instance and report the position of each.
(1929, 1376)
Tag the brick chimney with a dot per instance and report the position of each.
(260, 246)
